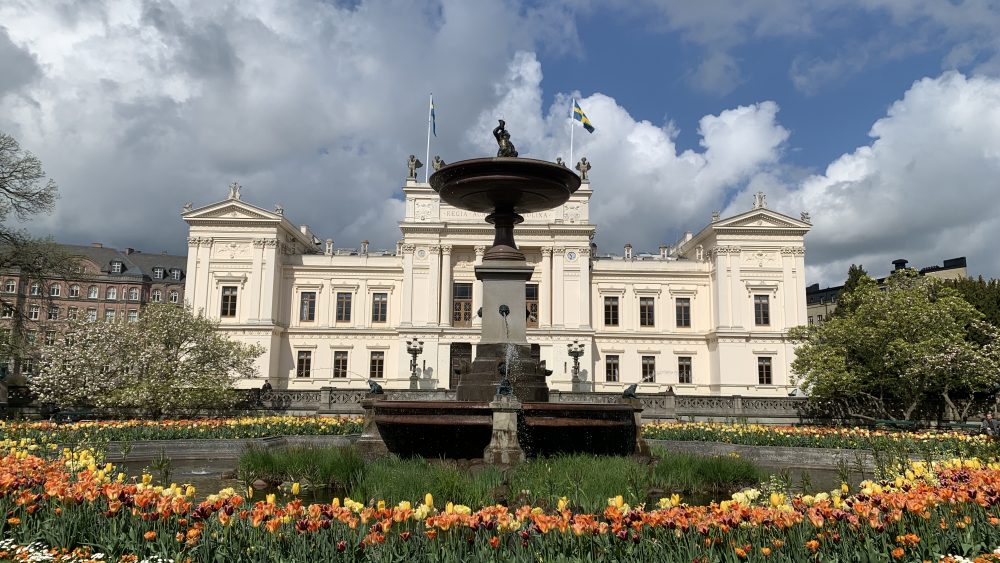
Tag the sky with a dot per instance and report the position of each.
(881, 118)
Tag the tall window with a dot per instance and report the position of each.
(307, 306)
(109, 314)
(461, 304)
(683, 309)
(36, 288)
(761, 310)
(175, 274)
(611, 312)
(340, 363)
(228, 301)
(343, 307)
(377, 366)
(764, 370)
(531, 303)
(92, 292)
(72, 313)
(10, 286)
(611, 368)
(111, 294)
(55, 290)
(50, 337)
(33, 312)
(158, 273)
(53, 313)
(91, 315)
(646, 317)
(648, 369)
(157, 296)
(133, 315)
(174, 297)
(380, 307)
(74, 290)
(684, 369)
(303, 364)
(133, 294)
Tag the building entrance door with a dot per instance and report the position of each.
(459, 351)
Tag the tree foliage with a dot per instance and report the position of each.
(169, 361)
(899, 352)
(855, 274)
(982, 294)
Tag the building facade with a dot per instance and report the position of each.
(108, 284)
(706, 316)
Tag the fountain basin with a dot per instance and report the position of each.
(462, 429)
(519, 185)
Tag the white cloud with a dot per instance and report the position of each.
(645, 191)
(924, 189)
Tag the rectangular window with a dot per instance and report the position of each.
(36, 289)
(646, 305)
(343, 307)
(228, 301)
(683, 308)
(175, 274)
(340, 363)
(53, 313)
(91, 315)
(611, 312)
(307, 306)
(33, 312)
(31, 336)
(92, 292)
(380, 307)
(810, 319)
(74, 291)
(611, 368)
(303, 364)
(157, 296)
(109, 314)
(649, 369)
(133, 315)
(55, 290)
(50, 337)
(27, 366)
(174, 297)
(684, 369)
(158, 273)
(761, 310)
(111, 294)
(10, 286)
(8, 312)
(461, 304)
(531, 304)
(764, 371)
(116, 267)
(72, 313)
(377, 365)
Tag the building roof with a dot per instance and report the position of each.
(134, 263)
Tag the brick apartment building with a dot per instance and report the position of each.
(112, 284)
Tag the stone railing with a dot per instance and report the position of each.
(655, 407)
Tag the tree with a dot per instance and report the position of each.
(170, 361)
(25, 192)
(899, 351)
(982, 294)
(855, 274)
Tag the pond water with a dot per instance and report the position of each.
(210, 476)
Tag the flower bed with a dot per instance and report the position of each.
(73, 502)
(949, 443)
(98, 432)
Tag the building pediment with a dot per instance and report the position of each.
(232, 210)
(760, 219)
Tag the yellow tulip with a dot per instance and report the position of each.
(269, 498)
(296, 488)
(429, 500)
(249, 492)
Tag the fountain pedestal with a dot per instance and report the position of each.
(504, 448)
(370, 443)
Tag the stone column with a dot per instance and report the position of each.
(446, 283)
(545, 289)
(477, 289)
(370, 443)
(504, 448)
(586, 319)
(558, 314)
(407, 318)
(435, 276)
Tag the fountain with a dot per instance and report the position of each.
(502, 410)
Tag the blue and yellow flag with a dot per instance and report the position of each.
(578, 115)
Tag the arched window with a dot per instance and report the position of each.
(74, 290)
(55, 290)
(133, 294)
(174, 297)
(157, 296)
(92, 292)
(111, 294)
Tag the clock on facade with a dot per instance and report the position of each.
(571, 255)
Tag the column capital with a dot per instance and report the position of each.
(546, 251)
(559, 249)
(409, 248)
(435, 248)
(446, 248)
(480, 250)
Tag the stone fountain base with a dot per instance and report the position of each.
(479, 380)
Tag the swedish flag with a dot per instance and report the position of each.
(578, 115)
(434, 127)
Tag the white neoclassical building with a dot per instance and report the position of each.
(706, 316)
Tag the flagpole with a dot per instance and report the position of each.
(427, 156)
(572, 108)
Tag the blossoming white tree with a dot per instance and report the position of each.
(169, 361)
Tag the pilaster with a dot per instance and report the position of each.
(477, 289)
(545, 290)
(444, 306)
(558, 303)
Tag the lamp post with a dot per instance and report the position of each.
(414, 347)
(575, 350)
